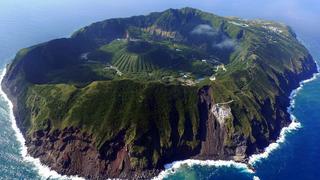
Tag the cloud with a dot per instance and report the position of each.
(204, 29)
(224, 42)
(227, 43)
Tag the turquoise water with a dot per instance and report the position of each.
(12, 165)
(27, 22)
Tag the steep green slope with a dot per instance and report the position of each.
(105, 108)
(128, 95)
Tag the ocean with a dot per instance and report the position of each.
(295, 155)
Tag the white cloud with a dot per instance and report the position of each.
(227, 43)
(204, 29)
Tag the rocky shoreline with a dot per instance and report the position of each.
(58, 148)
(82, 119)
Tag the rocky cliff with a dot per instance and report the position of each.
(123, 97)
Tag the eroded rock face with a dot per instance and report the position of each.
(73, 152)
(160, 32)
(221, 112)
(212, 127)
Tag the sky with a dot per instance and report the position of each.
(26, 22)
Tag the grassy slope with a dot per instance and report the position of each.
(157, 117)
(104, 108)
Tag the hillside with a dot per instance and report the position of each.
(122, 97)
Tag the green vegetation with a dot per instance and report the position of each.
(142, 75)
(104, 108)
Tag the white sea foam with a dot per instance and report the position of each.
(44, 171)
(171, 168)
(273, 146)
(256, 178)
(284, 131)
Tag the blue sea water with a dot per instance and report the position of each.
(27, 22)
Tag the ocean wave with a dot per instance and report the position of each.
(294, 125)
(44, 171)
(172, 167)
(273, 146)
(256, 178)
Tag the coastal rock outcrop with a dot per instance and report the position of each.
(80, 116)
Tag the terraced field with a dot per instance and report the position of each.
(146, 56)
(130, 62)
(157, 111)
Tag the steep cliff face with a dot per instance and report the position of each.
(71, 151)
(123, 97)
(212, 125)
